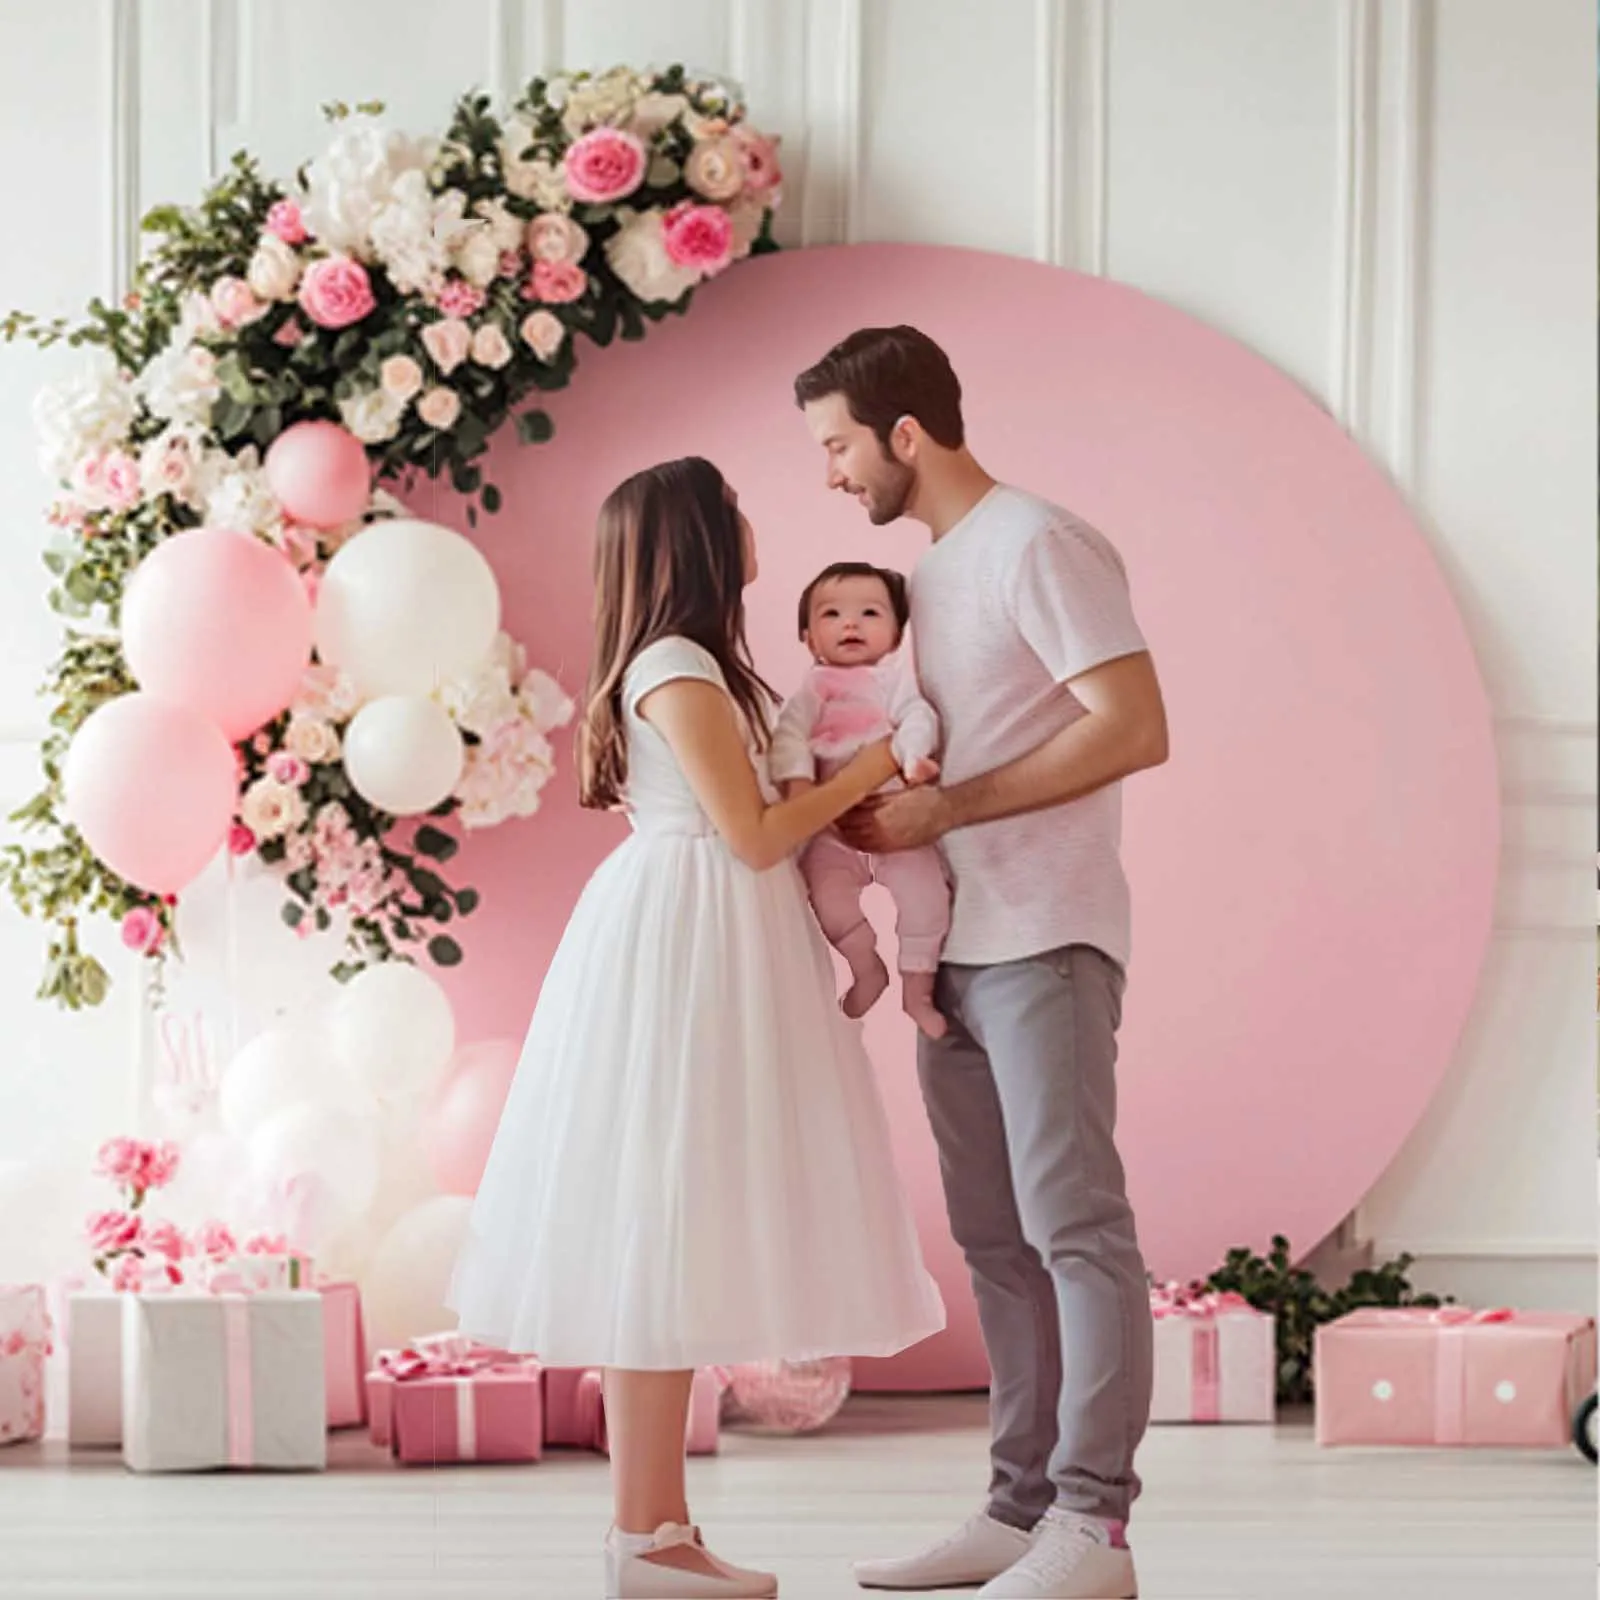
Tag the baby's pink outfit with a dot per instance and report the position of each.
(833, 713)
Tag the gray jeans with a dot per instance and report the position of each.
(1021, 1094)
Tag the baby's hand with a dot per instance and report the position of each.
(920, 770)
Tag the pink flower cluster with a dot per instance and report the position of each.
(106, 481)
(137, 1164)
(351, 872)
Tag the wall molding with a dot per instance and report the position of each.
(1532, 1249)
(121, 21)
(834, 102)
(1355, 212)
(1414, 168)
(1071, 96)
(527, 38)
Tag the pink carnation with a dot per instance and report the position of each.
(459, 298)
(266, 1244)
(336, 292)
(128, 1276)
(110, 1231)
(165, 1239)
(285, 221)
(699, 238)
(142, 931)
(215, 1240)
(136, 1163)
(605, 165)
(557, 283)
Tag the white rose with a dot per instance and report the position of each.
(400, 378)
(270, 808)
(312, 739)
(481, 702)
(505, 227)
(715, 169)
(478, 258)
(544, 333)
(180, 384)
(654, 113)
(534, 178)
(490, 347)
(607, 99)
(237, 495)
(404, 238)
(169, 464)
(439, 408)
(85, 414)
(274, 270)
(373, 416)
(638, 255)
(354, 179)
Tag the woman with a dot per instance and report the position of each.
(693, 1166)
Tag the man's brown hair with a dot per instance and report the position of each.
(885, 374)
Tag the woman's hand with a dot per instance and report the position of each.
(873, 763)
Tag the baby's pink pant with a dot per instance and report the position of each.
(836, 875)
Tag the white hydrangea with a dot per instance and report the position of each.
(373, 416)
(534, 178)
(86, 413)
(180, 383)
(236, 493)
(353, 181)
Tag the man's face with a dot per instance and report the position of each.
(857, 462)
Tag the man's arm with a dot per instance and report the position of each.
(1123, 731)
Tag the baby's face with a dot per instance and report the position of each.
(852, 622)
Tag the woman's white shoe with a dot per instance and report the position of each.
(641, 1575)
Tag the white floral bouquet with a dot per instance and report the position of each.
(421, 292)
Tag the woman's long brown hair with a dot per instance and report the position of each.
(668, 560)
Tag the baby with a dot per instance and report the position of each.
(852, 618)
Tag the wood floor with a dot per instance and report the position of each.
(1247, 1513)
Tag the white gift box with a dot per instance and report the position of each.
(1215, 1363)
(223, 1380)
(94, 1368)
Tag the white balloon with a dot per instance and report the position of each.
(403, 1290)
(277, 1068)
(403, 754)
(406, 605)
(317, 1168)
(393, 1030)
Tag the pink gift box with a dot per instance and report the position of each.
(1216, 1358)
(344, 1355)
(24, 1344)
(575, 1412)
(1414, 1376)
(444, 1398)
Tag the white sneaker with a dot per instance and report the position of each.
(1072, 1559)
(634, 1576)
(980, 1549)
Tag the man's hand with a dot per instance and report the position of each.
(905, 821)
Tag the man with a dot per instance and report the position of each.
(1027, 647)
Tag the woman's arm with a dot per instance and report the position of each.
(700, 725)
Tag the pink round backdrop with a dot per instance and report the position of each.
(1312, 872)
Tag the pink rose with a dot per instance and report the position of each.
(336, 292)
(113, 1230)
(699, 238)
(447, 343)
(490, 347)
(553, 237)
(439, 407)
(121, 476)
(241, 841)
(120, 1159)
(285, 221)
(715, 169)
(543, 333)
(459, 298)
(165, 1239)
(161, 1164)
(287, 769)
(400, 377)
(761, 170)
(214, 1240)
(235, 302)
(510, 263)
(289, 334)
(557, 283)
(142, 931)
(604, 166)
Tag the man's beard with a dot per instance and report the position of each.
(888, 504)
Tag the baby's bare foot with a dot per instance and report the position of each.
(916, 996)
(871, 979)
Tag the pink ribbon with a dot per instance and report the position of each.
(447, 1355)
(1450, 1369)
(241, 1395)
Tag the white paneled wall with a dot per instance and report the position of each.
(1393, 200)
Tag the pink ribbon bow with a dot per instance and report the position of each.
(447, 1355)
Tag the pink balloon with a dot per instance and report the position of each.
(460, 1130)
(221, 622)
(320, 474)
(151, 785)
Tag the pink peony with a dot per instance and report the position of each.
(284, 220)
(287, 769)
(214, 1240)
(336, 292)
(605, 165)
(699, 238)
(556, 283)
(459, 298)
(165, 1239)
(142, 931)
(108, 1231)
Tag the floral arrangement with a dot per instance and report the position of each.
(134, 1251)
(419, 292)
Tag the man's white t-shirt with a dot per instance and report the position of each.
(1013, 602)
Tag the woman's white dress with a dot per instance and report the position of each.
(693, 1166)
